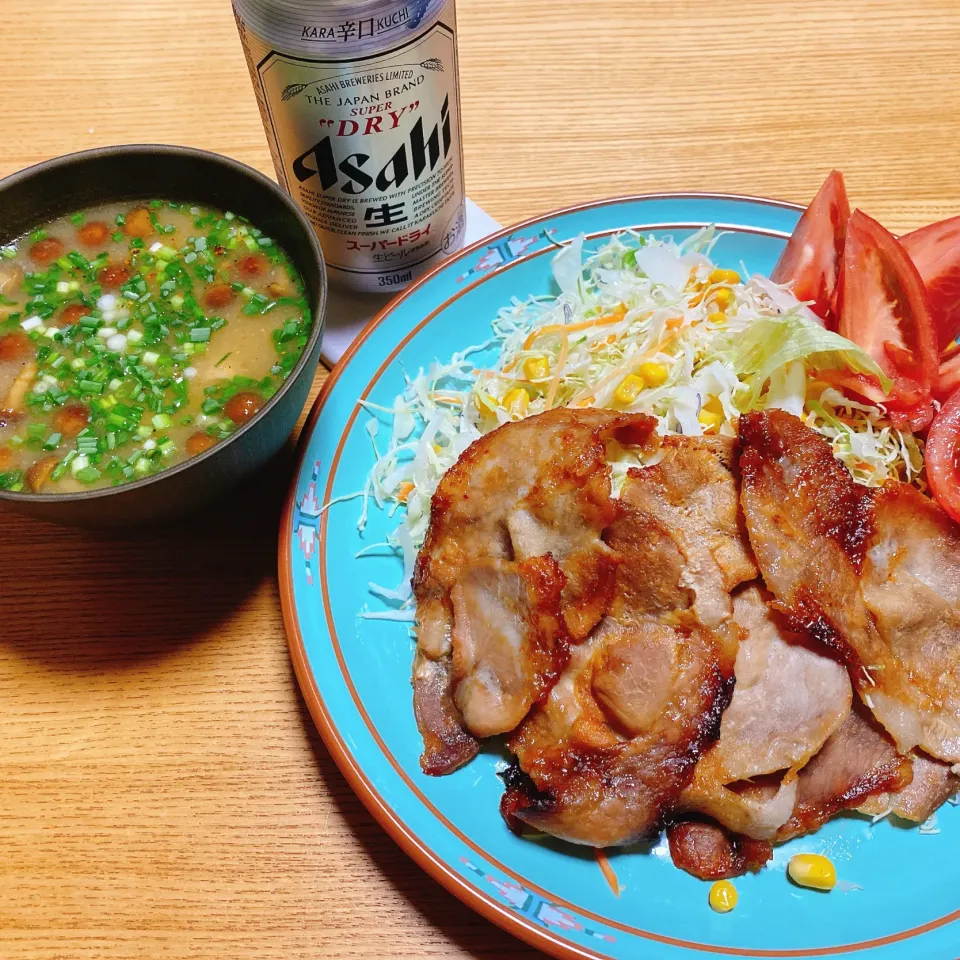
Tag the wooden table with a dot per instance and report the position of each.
(162, 790)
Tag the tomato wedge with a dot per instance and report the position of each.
(935, 251)
(883, 309)
(942, 455)
(812, 256)
(949, 378)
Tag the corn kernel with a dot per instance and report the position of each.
(724, 276)
(723, 896)
(536, 368)
(709, 419)
(654, 374)
(485, 404)
(629, 387)
(723, 298)
(712, 404)
(718, 317)
(812, 870)
(516, 401)
(404, 491)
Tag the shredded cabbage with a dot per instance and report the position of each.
(643, 325)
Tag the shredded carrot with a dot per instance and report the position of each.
(671, 323)
(404, 491)
(603, 321)
(448, 398)
(561, 363)
(607, 871)
(623, 370)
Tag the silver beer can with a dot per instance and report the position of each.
(360, 103)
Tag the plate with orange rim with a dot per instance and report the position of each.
(897, 894)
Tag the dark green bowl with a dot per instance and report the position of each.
(60, 186)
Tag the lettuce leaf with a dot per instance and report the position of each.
(770, 343)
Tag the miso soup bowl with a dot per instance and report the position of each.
(136, 172)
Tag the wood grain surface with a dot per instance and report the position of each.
(162, 791)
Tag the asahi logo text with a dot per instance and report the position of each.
(419, 153)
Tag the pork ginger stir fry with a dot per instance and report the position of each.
(693, 583)
(687, 653)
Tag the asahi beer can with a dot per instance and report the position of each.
(360, 103)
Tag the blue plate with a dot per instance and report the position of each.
(898, 895)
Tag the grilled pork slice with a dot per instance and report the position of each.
(512, 570)
(707, 851)
(858, 760)
(691, 493)
(508, 635)
(787, 701)
(932, 785)
(911, 586)
(874, 576)
(609, 751)
(617, 738)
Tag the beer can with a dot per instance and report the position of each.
(360, 103)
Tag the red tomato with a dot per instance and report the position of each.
(883, 309)
(811, 259)
(942, 455)
(949, 378)
(935, 251)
